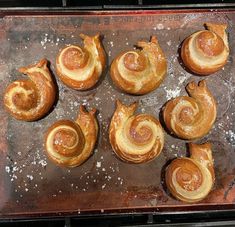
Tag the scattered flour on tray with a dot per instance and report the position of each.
(231, 135)
(159, 27)
(172, 93)
(98, 164)
(183, 78)
(169, 43)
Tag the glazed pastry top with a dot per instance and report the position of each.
(139, 71)
(31, 99)
(135, 138)
(191, 179)
(81, 67)
(191, 117)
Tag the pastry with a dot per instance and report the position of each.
(80, 68)
(31, 99)
(205, 52)
(71, 143)
(191, 117)
(139, 71)
(191, 179)
(135, 138)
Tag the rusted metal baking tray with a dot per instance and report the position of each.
(30, 185)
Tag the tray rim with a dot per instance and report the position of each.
(138, 6)
(110, 10)
(103, 11)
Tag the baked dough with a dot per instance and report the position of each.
(191, 117)
(139, 71)
(31, 99)
(80, 68)
(191, 179)
(205, 52)
(135, 138)
(71, 143)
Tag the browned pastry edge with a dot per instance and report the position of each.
(42, 84)
(93, 79)
(200, 160)
(193, 66)
(200, 97)
(88, 124)
(129, 86)
(117, 120)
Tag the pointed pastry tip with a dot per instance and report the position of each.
(211, 26)
(83, 36)
(118, 103)
(154, 39)
(93, 111)
(83, 110)
(191, 85)
(194, 146)
(23, 70)
(132, 106)
(202, 83)
(41, 64)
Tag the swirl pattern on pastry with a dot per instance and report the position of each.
(191, 117)
(31, 99)
(71, 143)
(80, 68)
(205, 52)
(191, 179)
(139, 71)
(135, 138)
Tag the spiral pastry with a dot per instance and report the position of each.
(31, 99)
(139, 71)
(206, 52)
(80, 68)
(191, 179)
(191, 117)
(71, 143)
(135, 138)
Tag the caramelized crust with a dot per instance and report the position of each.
(139, 71)
(206, 52)
(69, 143)
(80, 68)
(191, 179)
(191, 117)
(135, 138)
(31, 99)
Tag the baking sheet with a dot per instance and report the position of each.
(31, 185)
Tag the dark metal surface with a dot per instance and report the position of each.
(65, 6)
(206, 5)
(30, 185)
(221, 218)
(68, 8)
(117, 4)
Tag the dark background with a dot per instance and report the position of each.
(101, 3)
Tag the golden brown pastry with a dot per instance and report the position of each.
(206, 52)
(191, 117)
(71, 143)
(31, 99)
(191, 179)
(139, 71)
(135, 138)
(80, 68)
